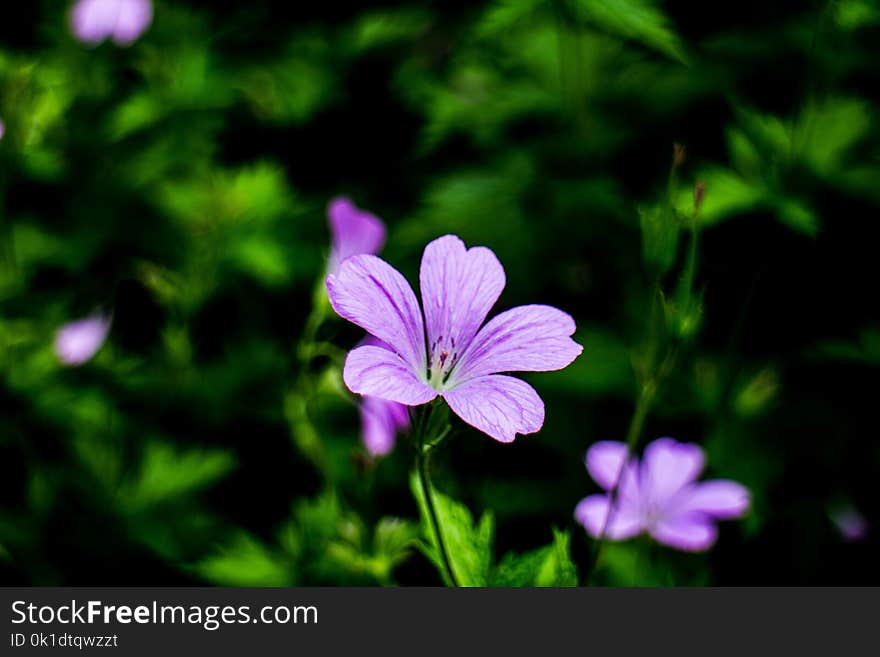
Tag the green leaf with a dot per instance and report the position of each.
(727, 194)
(504, 15)
(468, 545)
(855, 14)
(550, 565)
(168, 472)
(245, 561)
(827, 131)
(660, 231)
(639, 20)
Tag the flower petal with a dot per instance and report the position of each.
(353, 232)
(383, 374)
(693, 532)
(92, 21)
(369, 292)
(500, 406)
(380, 422)
(77, 342)
(459, 287)
(533, 338)
(667, 467)
(605, 462)
(718, 498)
(592, 513)
(134, 17)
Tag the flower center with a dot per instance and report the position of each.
(442, 358)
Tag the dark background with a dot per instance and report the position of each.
(181, 183)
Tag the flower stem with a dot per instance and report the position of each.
(422, 467)
(636, 424)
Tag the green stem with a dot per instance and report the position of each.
(427, 492)
(636, 424)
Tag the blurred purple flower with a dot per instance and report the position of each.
(660, 496)
(459, 360)
(78, 341)
(354, 231)
(2, 128)
(93, 21)
(380, 422)
(852, 525)
(381, 419)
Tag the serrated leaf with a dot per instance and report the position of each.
(638, 20)
(245, 561)
(468, 546)
(550, 565)
(168, 472)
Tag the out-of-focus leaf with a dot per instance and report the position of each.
(168, 472)
(245, 561)
(376, 29)
(865, 349)
(639, 20)
(727, 194)
(503, 15)
(660, 230)
(856, 14)
(827, 131)
(796, 215)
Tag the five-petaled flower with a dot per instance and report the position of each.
(659, 496)
(77, 341)
(445, 352)
(93, 21)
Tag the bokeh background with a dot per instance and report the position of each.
(181, 184)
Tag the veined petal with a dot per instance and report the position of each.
(592, 514)
(533, 338)
(384, 374)
(667, 467)
(459, 287)
(133, 18)
(689, 532)
(380, 422)
(500, 406)
(718, 498)
(353, 231)
(369, 292)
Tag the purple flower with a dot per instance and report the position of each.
(381, 419)
(93, 21)
(2, 128)
(380, 422)
(445, 352)
(852, 525)
(353, 230)
(660, 496)
(77, 342)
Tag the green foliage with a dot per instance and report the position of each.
(547, 566)
(639, 20)
(167, 474)
(469, 545)
(180, 184)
